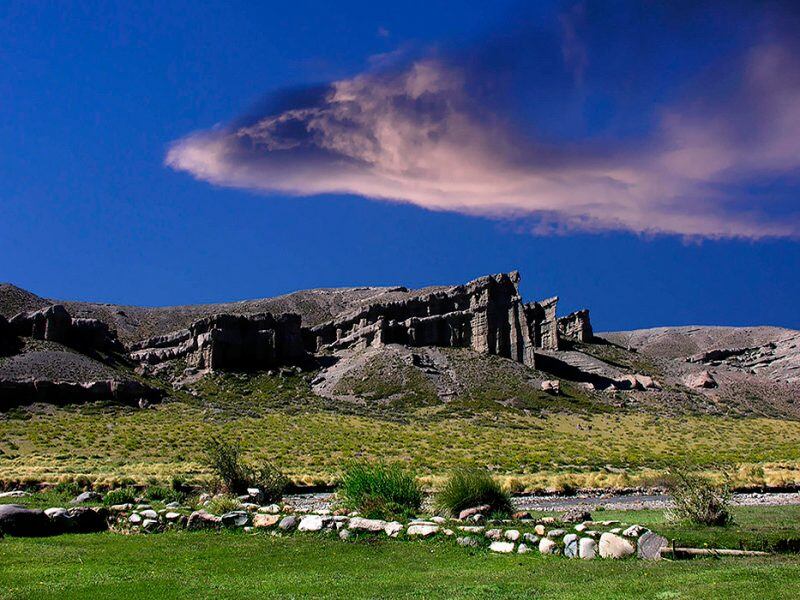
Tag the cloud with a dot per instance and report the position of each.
(443, 131)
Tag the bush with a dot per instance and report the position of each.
(163, 494)
(698, 500)
(236, 475)
(120, 496)
(272, 483)
(472, 486)
(378, 490)
(219, 505)
(225, 461)
(67, 488)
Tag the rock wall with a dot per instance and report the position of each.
(229, 342)
(55, 324)
(486, 315)
(576, 326)
(15, 393)
(543, 324)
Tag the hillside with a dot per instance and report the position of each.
(435, 376)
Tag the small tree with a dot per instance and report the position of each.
(236, 475)
(225, 460)
(699, 500)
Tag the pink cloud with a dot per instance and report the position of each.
(413, 135)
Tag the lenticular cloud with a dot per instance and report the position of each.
(419, 133)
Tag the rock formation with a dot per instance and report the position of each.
(486, 315)
(15, 393)
(54, 324)
(576, 326)
(229, 342)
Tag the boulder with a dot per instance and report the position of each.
(86, 497)
(548, 546)
(272, 509)
(172, 516)
(551, 386)
(587, 548)
(556, 533)
(393, 528)
(649, 546)
(201, 519)
(472, 528)
(20, 521)
(523, 549)
(467, 541)
(571, 545)
(344, 534)
(422, 530)
(83, 519)
(135, 519)
(288, 523)
(262, 521)
(475, 510)
(615, 546)
(540, 530)
(311, 523)
(14, 494)
(235, 518)
(361, 524)
(701, 380)
(634, 531)
(494, 534)
(512, 535)
(150, 525)
(504, 547)
(530, 538)
(149, 513)
(576, 515)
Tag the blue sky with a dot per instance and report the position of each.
(636, 162)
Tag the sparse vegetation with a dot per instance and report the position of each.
(380, 490)
(472, 486)
(699, 500)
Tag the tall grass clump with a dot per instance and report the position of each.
(467, 487)
(124, 495)
(236, 475)
(380, 490)
(699, 500)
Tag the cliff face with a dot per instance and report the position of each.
(228, 342)
(576, 326)
(486, 315)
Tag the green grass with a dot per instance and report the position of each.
(468, 487)
(309, 438)
(380, 490)
(230, 565)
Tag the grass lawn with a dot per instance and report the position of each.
(231, 565)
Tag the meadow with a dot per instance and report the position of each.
(310, 438)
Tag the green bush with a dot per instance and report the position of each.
(226, 462)
(472, 486)
(163, 494)
(271, 481)
(219, 505)
(67, 488)
(120, 496)
(699, 500)
(378, 490)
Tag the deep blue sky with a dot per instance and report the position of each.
(93, 94)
